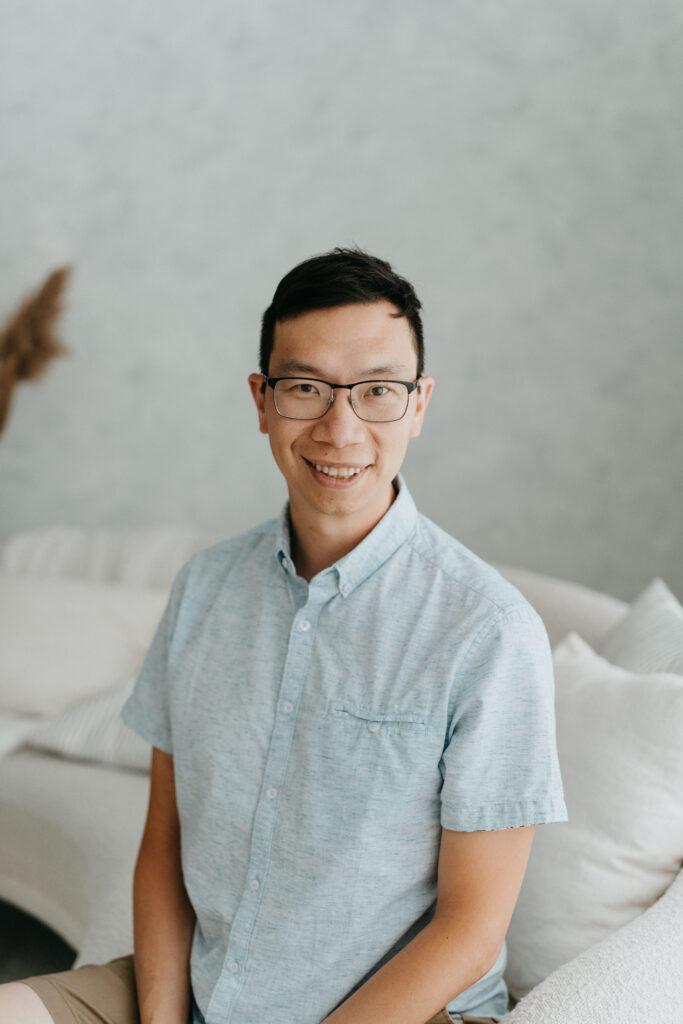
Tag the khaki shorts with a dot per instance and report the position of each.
(92, 994)
(105, 994)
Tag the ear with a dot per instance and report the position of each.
(259, 395)
(424, 393)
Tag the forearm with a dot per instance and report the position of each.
(163, 926)
(445, 958)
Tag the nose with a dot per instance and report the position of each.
(339, 427)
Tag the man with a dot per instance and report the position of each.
(352, 719)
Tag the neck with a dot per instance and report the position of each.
(318, 542)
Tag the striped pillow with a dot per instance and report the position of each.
(92, 730)
(650, 637)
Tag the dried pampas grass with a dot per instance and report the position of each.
(28, 342)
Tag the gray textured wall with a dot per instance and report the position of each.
(519, 161)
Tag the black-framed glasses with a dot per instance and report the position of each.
(306, 398)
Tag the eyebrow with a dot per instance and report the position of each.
(374, 373)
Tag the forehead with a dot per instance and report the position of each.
(349, 340)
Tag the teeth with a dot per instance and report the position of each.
(340, 471)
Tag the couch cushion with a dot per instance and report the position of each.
(70, 835)
(63, 640)
(619, 743)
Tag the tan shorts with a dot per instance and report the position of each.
(105, 994)
(92, 994)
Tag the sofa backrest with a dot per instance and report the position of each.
(151, 557)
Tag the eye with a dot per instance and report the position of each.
(381, 389)
(301, 388)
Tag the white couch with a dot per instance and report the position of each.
(69, 829)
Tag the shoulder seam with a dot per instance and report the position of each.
(501, 608)
(492, 623)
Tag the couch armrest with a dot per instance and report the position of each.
(634, 974)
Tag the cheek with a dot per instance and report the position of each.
(281, 456)
(396, 448)
(282, 437)
(389, 454)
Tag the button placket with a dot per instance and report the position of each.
(293, 677)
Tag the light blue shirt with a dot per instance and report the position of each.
(322, 733)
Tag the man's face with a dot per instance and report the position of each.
(342, 345)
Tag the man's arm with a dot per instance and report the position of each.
(162, 913)
(480, 875)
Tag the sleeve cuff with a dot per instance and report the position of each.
(503, 815)
(157, 737)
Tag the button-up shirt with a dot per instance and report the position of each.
(322, 735)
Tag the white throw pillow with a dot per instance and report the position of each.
(650, 637)
(94, 731)
(64, 640)
(13, 731)
(621, 756)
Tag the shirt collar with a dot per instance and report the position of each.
(283, 542)
(391, 531)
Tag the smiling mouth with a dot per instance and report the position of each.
(337, 472)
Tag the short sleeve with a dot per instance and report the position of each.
(500, 766)
(147, 710)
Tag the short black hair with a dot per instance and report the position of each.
(340, 278)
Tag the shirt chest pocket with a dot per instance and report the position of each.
(379, 767)
(354, 717)
(364, 739)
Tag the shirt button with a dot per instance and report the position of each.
(233, 967)
(304, 625)
(288, 707)
(271, 792)
(373, 726)
(346, 589)
(254, 884)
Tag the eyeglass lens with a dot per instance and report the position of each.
(379, 401)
